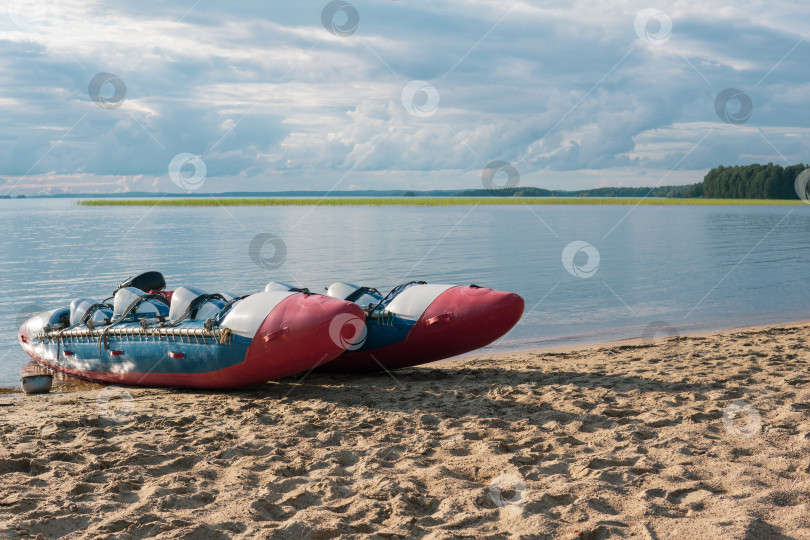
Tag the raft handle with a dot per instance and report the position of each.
(439, 318)
(273, 335)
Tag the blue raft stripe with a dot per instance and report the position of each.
(384, 332)
(151, 355)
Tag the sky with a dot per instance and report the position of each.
(203, 96)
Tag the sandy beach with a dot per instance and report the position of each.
(691, 437)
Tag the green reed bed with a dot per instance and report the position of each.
(425, 201)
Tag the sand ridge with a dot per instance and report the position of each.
(697, 437)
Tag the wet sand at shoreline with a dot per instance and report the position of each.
(699, 437)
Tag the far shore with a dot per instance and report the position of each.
(436, 201)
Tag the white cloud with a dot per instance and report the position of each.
(269, 98)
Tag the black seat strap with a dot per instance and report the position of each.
(360, 292)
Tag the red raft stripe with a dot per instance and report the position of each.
(459, 320)
(307, 341)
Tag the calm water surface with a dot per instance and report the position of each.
(691, 267)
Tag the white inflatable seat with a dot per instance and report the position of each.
(125, 296)
(413, 301)
(247, 315)
(278, 286)
(342, 291)
(79, 308)
(184, 296)
(55, 318)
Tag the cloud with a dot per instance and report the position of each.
(271, 100)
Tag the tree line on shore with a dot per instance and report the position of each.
(737, 182)
(752, 182)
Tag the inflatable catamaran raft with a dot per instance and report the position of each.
(186, 337)
(418, 322)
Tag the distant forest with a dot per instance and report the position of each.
(752, 182)
(693, 190)
(740, 182)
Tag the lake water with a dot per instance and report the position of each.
(693, 268)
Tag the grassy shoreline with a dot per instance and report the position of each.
(432, 201)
